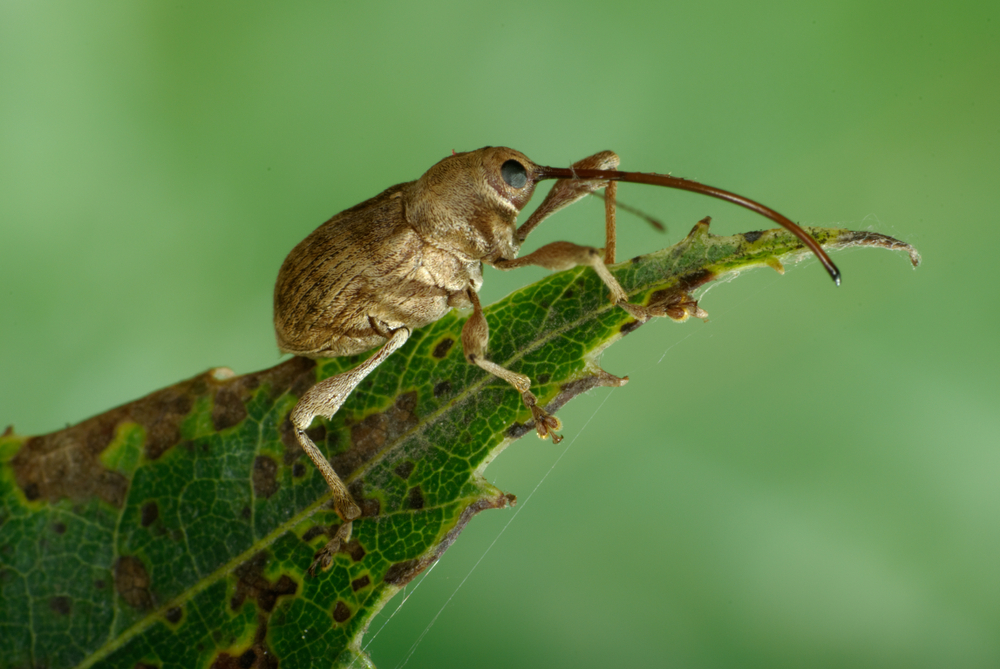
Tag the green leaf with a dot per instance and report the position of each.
(176, 531)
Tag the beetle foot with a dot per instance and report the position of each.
(324, 556)
(545, 423)
(678, 308)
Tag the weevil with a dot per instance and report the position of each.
(371, 274)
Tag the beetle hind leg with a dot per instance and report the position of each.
(324, 399)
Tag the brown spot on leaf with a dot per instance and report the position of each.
(416, 498)
(229, 408)
(753, 235)
(313, 532)
(679, 291)
(404, 469)
(257, 656)
(443, 347)
(253, 584)
(66, 464)
(174, 615)
(61, 604)
(370, 506)
(292, 448)
(359, 583)
(317, 433)
(340, 612)
(629, 326)
(150, 512)
(132, 582)
(355, 550)
(402, 573)
(144, 665)
(59, 528)
(99, 584)
(544, 378)
(443, 388)
(265, 476)
(162, 413)
(375, 432)
(298, 470)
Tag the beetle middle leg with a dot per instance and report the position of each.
(324, 399)
(559, 256)
(475, 338)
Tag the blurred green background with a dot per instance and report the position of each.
(812, 478)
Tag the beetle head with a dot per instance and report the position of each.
(469, 201)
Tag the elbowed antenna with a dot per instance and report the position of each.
(695, 187)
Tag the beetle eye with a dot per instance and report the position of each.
(514, 174)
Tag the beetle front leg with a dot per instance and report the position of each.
(567, 191)
(475, 338)
(324, 399)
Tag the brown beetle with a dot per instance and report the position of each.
(403, 259)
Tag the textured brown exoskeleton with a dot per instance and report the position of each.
(403, 259)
